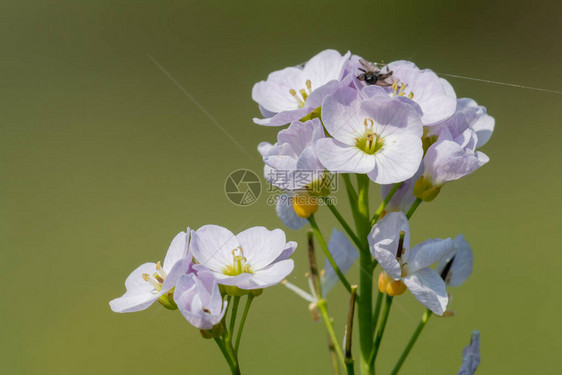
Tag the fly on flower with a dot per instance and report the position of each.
(372, 75)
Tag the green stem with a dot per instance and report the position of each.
(321, 304)
(419, 329)
(229, 356)
(344, 224)
(413, 208)
(384, 203)
(365, 313)
(327, 253)
(249, 300)
(233, 317)
(352, 195)
(380, 332)
(333, 356)
(349, 360)
(378, 306)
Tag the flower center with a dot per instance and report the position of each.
(399, 89)
(157, 278)
(370, 142)
(303, 93)
(239, 264)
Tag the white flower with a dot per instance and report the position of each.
(253, 259)
(379, 136)
(154, 281)
(292, 93)
(411, 268)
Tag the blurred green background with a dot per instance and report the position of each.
(103, 160)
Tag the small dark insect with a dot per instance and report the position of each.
(372, 75)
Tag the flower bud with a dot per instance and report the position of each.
(167, 300)
(305, 205)
(424, 189)
(390, 286)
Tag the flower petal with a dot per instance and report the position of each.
(344, 254)
(428, 288)
(471, 355)
(461, 268)
(139, 295)
(177, 250)
(428, 252)
(384, 239)
(212, 246)
(338, 157)
(261, 246)
(285, 212)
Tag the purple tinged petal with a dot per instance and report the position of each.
(177, 250)
(261, 246)
(434, 95)
(269, 276)
(339, 157)
(398, 160)
(285, 117)
(290, 248)
(344, 254)
(446, 161)
(212, 246)
(181, 267)
(199, 300)
(428, 288)
(471, 355)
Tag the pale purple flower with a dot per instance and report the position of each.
(292, 93)
(469, 115)
(456, 266)
(291, 163)
(253, 259)
(450, 158)
(412, 266)
(344, 254)
(199, 300)
(433, 94)
(379, 136)
(471, 355)
(153, 281)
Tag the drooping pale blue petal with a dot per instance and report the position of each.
(344, 254)
(212, 246)
(471, 355)
(285, 212)
(384, 239)
(461, 266)
(428, 288)
(428, 252)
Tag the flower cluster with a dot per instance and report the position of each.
(397, 126)
(202, 267)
